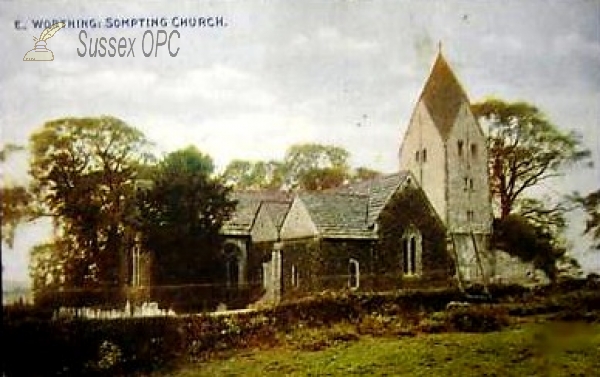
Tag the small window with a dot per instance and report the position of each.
(405, 252)
(409, 256)
(295, 277)
(417, 156)
(413, 256)
(424, 153)
(471, 184)
(460, 148)
(353, 274)
(466, 183)
(473, 150)
(470, 215)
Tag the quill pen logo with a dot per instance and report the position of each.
(40, 52)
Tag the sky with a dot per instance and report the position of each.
(276, 73)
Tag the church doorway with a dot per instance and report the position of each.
(232, 258)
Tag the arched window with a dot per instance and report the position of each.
(424, 153)
(353, 274)
(411, 252)
(470, 215)
(405, 257)
(295, 277)
(413, 256)
(473, 150)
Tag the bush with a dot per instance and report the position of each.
(140, 345)
(89, 347)
(319, 339)
(17, 311)
(509, 292)
(434, 323)
(477, 318)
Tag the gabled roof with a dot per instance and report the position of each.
(379, 191)
(351, 211)
(443, 96)
(338, 215)
(277, 211)
(248, 205)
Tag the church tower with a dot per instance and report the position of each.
(445, 148)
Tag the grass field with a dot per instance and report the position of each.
(554, 349)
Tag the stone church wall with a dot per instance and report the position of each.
(422, 138)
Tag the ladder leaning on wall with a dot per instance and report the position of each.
(459, 274)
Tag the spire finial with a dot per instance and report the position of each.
(440, 46)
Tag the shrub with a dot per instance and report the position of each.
(89, 347)
(128, 345)
(22, 311)
(318, 339)
(374, 324)
(477, 318)
(436, 322)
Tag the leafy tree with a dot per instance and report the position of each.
(16, 201)
(303, 161)
(182, 214)
(364, 174)
(244, 175)
(84, 172)
(530, 243)
(305, 166)
(9, 149)
(322, 178)
(591, 205)
(47, 266)
(525, 149)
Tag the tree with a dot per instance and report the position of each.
(519, 237)
(364, 174)
(322, 178)
(16, 201)
(591, 205)
(84, 172)
(305, 166)
(9, 149)
(525, 149)
(182, 215)
(308, 159)
(244, 175)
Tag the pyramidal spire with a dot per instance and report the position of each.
(443, 95)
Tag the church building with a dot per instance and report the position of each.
(427, 225)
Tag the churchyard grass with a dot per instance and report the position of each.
(526, 349)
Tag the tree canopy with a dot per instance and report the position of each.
(307, 166)
(591, 205)
(526, 150)
(182, 214)
(84, 172)
(254, 175)
(16, 200)
(528, 242)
